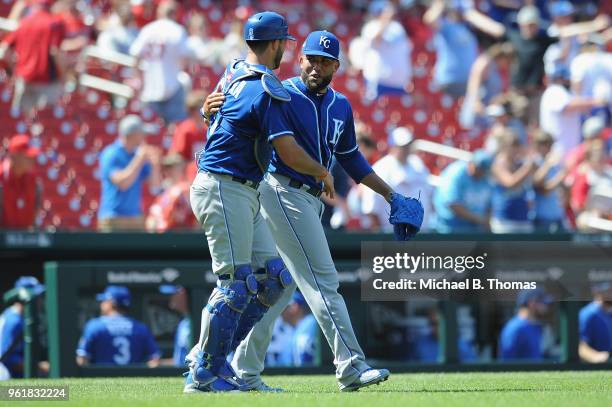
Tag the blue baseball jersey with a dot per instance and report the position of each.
(521, 339)
(182, 342)
(322, 125)
(306, 349)
(596, 327)
(117, 340)
(11, 331)
(248, 113)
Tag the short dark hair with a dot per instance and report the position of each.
(258, 46)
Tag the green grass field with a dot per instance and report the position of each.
(575, 389)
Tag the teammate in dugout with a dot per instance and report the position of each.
(224, 198)
(319, 120)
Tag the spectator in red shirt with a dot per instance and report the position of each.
(20, 189)
(171, 209)
(189, 135)
(37, 43)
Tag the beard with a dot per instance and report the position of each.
(316, 86)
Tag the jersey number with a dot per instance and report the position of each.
(122, 344)
(236, 88)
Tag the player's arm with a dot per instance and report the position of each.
(591, 355)
(294, 156)
(376, 184)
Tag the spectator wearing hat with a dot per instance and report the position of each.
(171, 209)
(179, 302)
(11, 328)
(462, 201)
(521, 337)
(595, 323)
(114, 338)
(39, 64)
(530, 41)
(124, 165)
(162, 46)
(405, 173)
(549, 213)
(564, 51)
(20, 188)
(383, 52)
(511, 170)
(593, 129)
(501, 115)
(456, 45)
(591, 74)
(560, 110)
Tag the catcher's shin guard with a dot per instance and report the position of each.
(269, 291)
(225, 314)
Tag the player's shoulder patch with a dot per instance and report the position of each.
(274, 87)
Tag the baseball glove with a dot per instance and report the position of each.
(406, 216)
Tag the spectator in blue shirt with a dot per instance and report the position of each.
(463, 199)
(547, 179)
(124, 165)
(113, 338)
(511, 170)
(456, 46)
(11, 328)
(521, 337)
(595, 322)
(179, 302)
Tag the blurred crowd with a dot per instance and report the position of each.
(532, 79)
(116, 338)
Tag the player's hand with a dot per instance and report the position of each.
(328, 186)
(213, 104)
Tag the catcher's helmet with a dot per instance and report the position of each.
(267, 25)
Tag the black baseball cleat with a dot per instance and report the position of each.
(367, 378)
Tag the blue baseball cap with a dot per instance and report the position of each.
(322, 43)
(298, 299)
(561, 9)
(560, 71)
(169, 289)
(30, 283)
(482, 159)
(267, 25)
(117, 293)
(536, 294)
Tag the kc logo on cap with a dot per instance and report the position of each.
(324, 41)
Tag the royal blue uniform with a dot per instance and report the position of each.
(247, 114)
(323, 126)
(521, 339)
(11, 332)
(117, 340)
(596, 327)
(182, 342)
